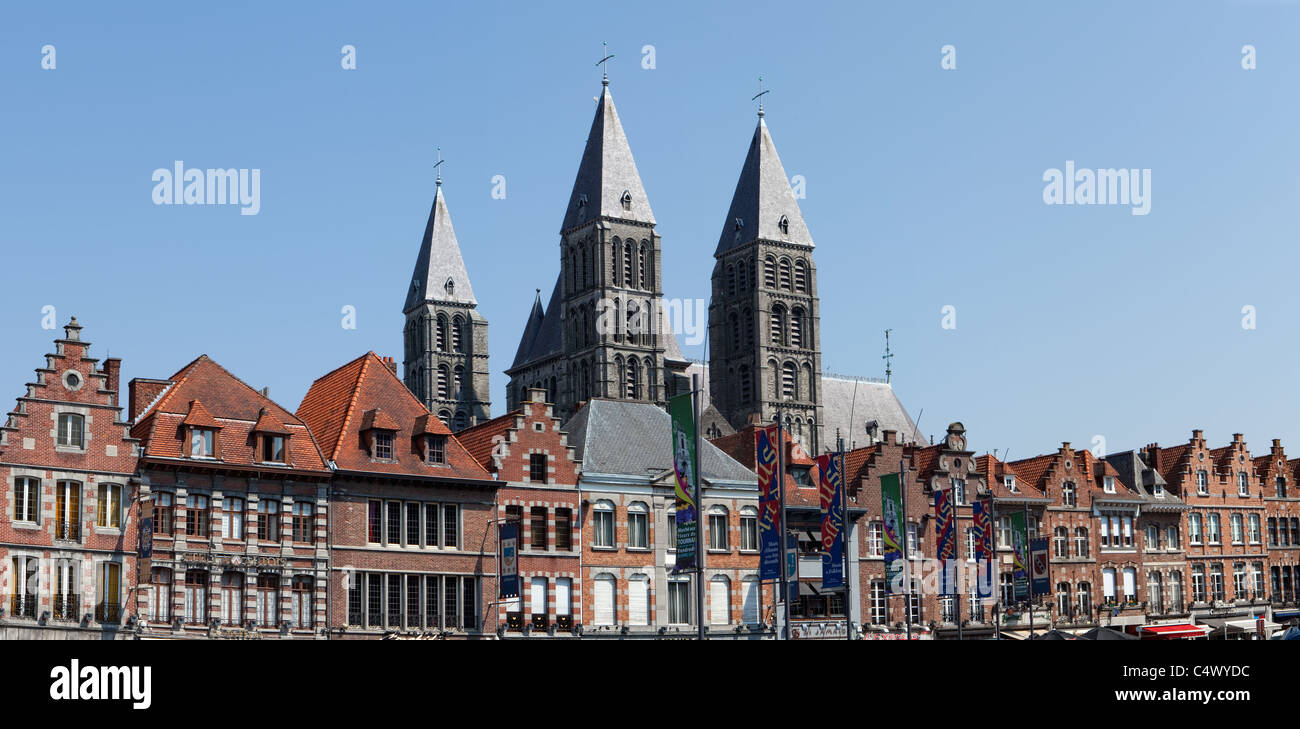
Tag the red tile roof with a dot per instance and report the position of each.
(199, 417)
(481, 439)
(210, 394)
(336, 405)
(268, 423)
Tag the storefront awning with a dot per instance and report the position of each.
(1238, 624)
(1285, 614)
(1180, 630)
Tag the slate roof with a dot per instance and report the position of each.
(849, 403)
(233, 404)
(607, 171)
(439, 261)
(634, 438)
(533, 326)
(763, 195)
(1138, 477)
(549, 338)
(343, 403)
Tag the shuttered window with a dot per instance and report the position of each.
(563, 595)
(719, 601)
(751, 601)
(638, 600)
(604, 600)
(537, 596)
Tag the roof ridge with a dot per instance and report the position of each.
(352, 403)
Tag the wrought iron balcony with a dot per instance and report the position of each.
(22, 606)
(69, 531)
(108, 612)
(66, 607)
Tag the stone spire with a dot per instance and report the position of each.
(763, 198)
(608, 184)
(440, 273)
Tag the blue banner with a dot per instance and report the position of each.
(509, 560)
(769, 506)
(831, 468)
(946, 545)
(982, 516)
(1040, 578)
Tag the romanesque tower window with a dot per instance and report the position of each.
(785, 273)
(769, 272)
(796, 327)
(800, 276)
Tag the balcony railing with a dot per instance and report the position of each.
(66, 607)
(22, 606)
(67, 530)
(108, 612)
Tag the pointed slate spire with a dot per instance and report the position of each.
(440, 272)
(763, 199)
(608, 183)
(530, 331)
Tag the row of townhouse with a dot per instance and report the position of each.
(210, 511)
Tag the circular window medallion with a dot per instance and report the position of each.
(1200, 456)
(1069, 465)
(72, 380)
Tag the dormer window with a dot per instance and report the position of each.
(582, 201)
(626, 200)
(383, 445)
(450, 287)
(1108, 484)
(1010, 483)
(740, 224)
(202, 442)
(784, 225)
(273, 448)
(1158, 490)
(435, 449)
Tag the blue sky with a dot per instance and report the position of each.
(924, 188)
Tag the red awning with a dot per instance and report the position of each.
(1180, 630)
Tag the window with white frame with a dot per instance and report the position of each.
(638, 600)
(1127, 523)
(1239, 584)
(563, 596)
(1212, 531)
(1194, 529)
(672, 530)
(27, 499)
(1130, 584)
(748, 529)
(1252, 523)
(749, 588)
(1060, 542)
(1068, 494)
(1010, 483)
(718, 528)
(637, 526)
(1108, 584)
(1082, 548)
(603, 594)
(537, 597)
(602, 523)
(1108, 484)
(913, 543)
(1152, 537)
(679, 602)
(1243, 484)
(970, 544)
(875, 539)
(160, 594)
(1198, 583)
(232, 518)
(1217, 587)
(202, 442)
(958, 491)
(1004, 532)
(1172, 538)
(1202, 482)
(1234, 523)
(108, 506)
(71, 430)
(1084, 594)
(878, 597)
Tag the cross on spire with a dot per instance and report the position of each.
(759, 96)
(436, 167)
(604, 72)
(888, 357)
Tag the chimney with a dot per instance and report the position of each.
(113, 368)
(265, 392)
(142, 393)
(392, 364)
(1198, 435)
(889, 437)
(1236, 437)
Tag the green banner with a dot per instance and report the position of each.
(682, 411)
(891, 509)
(1019, 548)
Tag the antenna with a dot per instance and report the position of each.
(603, 68)
(759, 96)
(889, 358)
(438, 181)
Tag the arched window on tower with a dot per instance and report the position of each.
(442, 382)
(746, 384)
(621, 371)
(785, 273)
(633, 379)
(461, 422)
(617, 316)
(616, 255)
(809, 382)
(749, 326)
(769, 272)
(796, 327)
(789, 381)
(652, 378)
(778, 325)
(734, 319)
(742, 275)
(445, 417)
(641, 267)
(458, 334)
(582, 268)
(626, 200)
(585, 387)
(801, 276)
(458, 382)
(731, 280)
(784, 225)
(636, 327)
(627, 264)
(441, 333)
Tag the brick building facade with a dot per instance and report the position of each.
(238, 497)
(68, 536)
(412, 540)
(537, 490)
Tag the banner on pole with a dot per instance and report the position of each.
(509, 560)
(1040, 582)
(831, 470)
(1020, 571)
(769, 506)
(945, 541)
(985, 556)
(682, 411)
(891, 510)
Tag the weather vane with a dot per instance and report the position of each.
(604, 73)
(759, 95)
(438, 181)
(888, 357)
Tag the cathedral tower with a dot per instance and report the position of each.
(602, 333)
(764, 327)
(446, 352)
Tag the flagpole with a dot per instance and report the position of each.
(995, 569)
(1029, 578)
(780, 485)
(699, 511)
(907, 567)
(844, 540)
